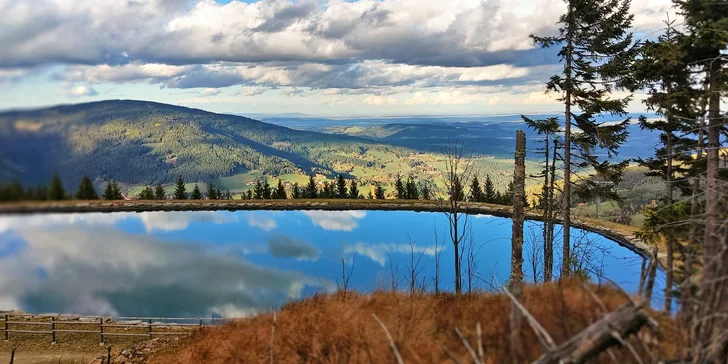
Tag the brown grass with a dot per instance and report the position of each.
(341, 329)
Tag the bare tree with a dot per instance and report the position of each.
(438, 251)
(458, 170)
(393, 274)
(345, 275)
(413, 269)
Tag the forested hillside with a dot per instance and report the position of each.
(140, 143)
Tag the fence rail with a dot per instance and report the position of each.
(20, 326)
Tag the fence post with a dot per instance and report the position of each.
(6, 327)
(150, 328)
(53, 330)
(101, 330)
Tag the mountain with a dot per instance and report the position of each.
(138, 142)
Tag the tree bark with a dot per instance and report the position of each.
(519, 179)
(598, 337)
(566, 259)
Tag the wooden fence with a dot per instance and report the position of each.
(102, 326)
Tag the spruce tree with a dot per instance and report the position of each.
(490, 195)
(267, 192)
(458, 193)
(258, 190)
(212, 192)
(159, 193)
(597, 52)
(249, 194)
(281, 190)
(112, 191)
(296, 191)
(196, 194)
(341, 191)
(476, 193)
(379, 192)
(353, 190)
(411, 190)
(86, 190)
(56, 191)
(327, 190)
(146, 194)
(311, 191)
(426, 193)
(400, 188)
(180, 192)
(116, 190)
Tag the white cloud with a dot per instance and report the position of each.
(209, 92)
(261, 222)
(379, 100)
(79, 91)
(378, 252)
(336, 220)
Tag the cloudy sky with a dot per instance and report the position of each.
(335, 57)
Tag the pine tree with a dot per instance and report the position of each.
(196, 194)
(411, 190)
(597, 52)
(327, 190)
(112, 191)
(379, 192)
(399, 187)
(426, 193)
(341, 191)
(146, 194)
(458, 193)
(212, 192)
(353, 190)
(507, 197)
(476, 193)
(56, 191)
(86, 190)
(249, 194)
(296, 192)
(311, 191)
(180, 192)
(159, 193)
(267, 192)
(116, 190)
(490, 195)
(258, 189)
(281, 190)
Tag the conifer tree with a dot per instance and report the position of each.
(296, 191)
(112, 191)
(56, 191)
(311, 191)
(597, 53)
(159, 193)
(228, 195)
(212, 192)
(426, 193)
(490, 195)
(476, 193)
(196, 194)
(341, 191)
(353, 190)
(86, 190)
(267, 192)
(400, 188)
(281, 190)
(328, 190)
(458, 193)
(258, 190)
(411, 190)
(379, 192)
(249, 194)
(370, 196)
(180, 192)
(146, 194)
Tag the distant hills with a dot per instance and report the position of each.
(138, 142)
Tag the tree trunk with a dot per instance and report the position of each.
(519, 179)
(566, 259)
(670, 241)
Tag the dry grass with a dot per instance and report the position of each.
(341, 328)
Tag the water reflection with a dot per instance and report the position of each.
(233, 263)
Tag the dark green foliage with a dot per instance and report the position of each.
(476, 192)
(258, 192)
(280, 191)
(490, 195)
(412, 192)
(15, 192)
(249, 195)
(112, 191)
(159, 193)
(426, 192)
(267, 192)
(196, 194)
(507, 197)
(86, 190)
(458, 192)
(341, 191)
(56, 191)
(212, 192)
(228, 195)
(400, 188)
(353, 190)
(328, 190)
(146, 194)
(180, 192)
(379, 192)
(296, 191)
(311, 191)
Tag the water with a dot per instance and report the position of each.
(221, 263)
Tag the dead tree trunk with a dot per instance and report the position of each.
(611, 330)
(519, 180)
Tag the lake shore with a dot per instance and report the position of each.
(622, 234)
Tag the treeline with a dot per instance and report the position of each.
(56, 192)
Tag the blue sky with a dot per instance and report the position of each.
(319, 57)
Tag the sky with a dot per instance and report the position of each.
(318, 57)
